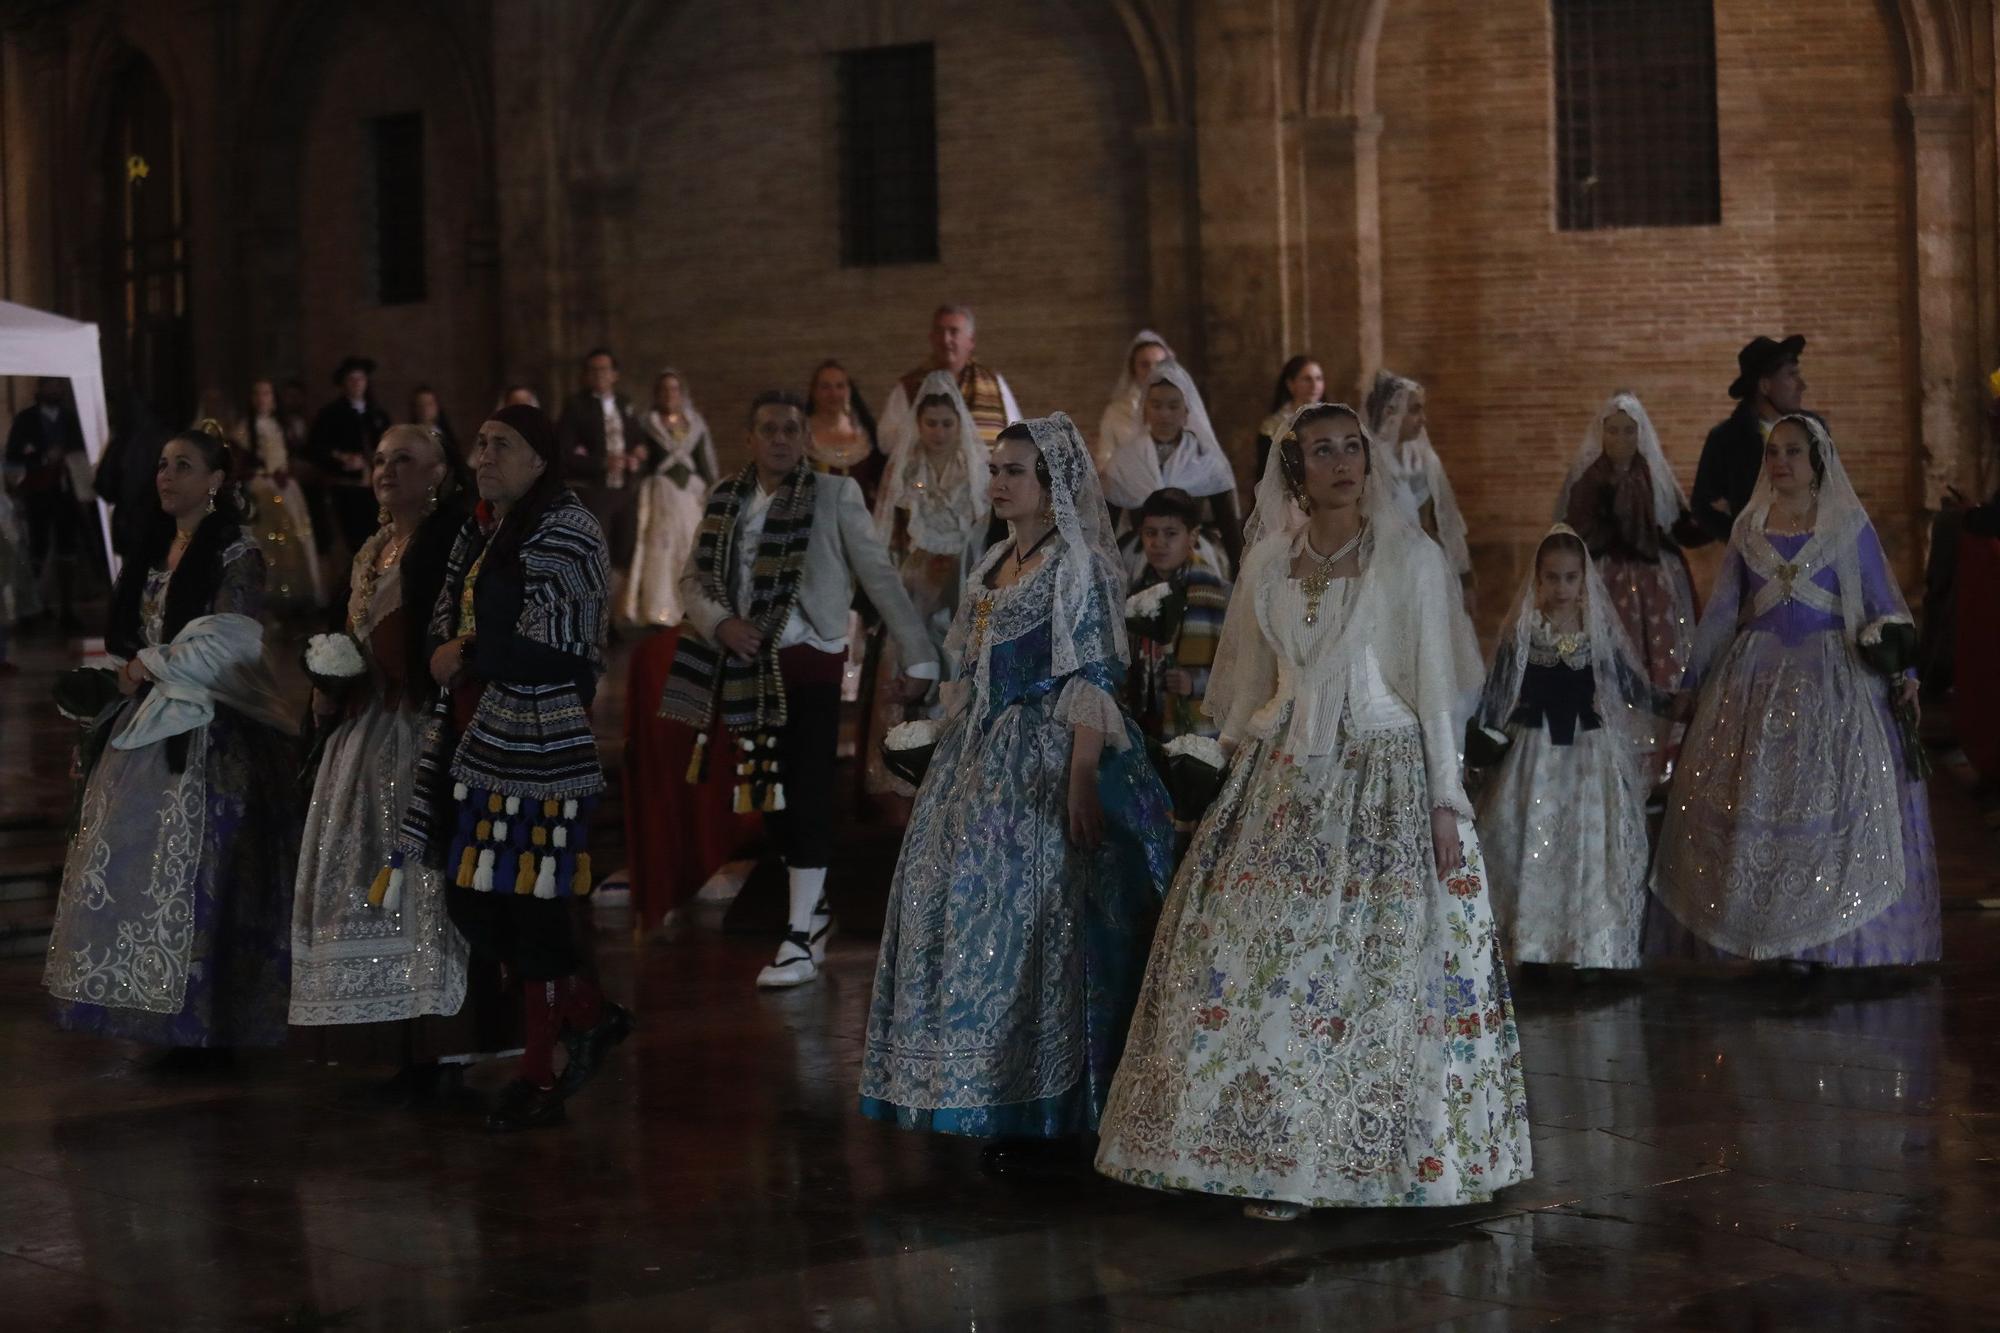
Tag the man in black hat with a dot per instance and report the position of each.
(342, 440)
(1768, 386)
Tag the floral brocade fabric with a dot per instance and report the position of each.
(1323, 1021)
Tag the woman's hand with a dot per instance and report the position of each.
(1906, 693)
(1086, 812)
(448, 662)
(1178, 682)
(1444, 841)
(131, 676)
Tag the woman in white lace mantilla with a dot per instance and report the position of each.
(1563, 814)
(1794, 829)
(931, 512)
(1124, 419)
(1399, 423)
(672, 496)
(1325, 1020)
(1623, 500)
(1177, 447)
(1040, 843)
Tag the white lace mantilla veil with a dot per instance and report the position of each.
(1087, 559)
(896, 479)
(1394, 552)
(1128, 390)
(1388, 404)
(1836, 541)
(1668, 497)
(1624, 697)
(1135, 473)
(698, 437)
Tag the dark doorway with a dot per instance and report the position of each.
(145, 237)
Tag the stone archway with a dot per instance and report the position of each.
(133, 178)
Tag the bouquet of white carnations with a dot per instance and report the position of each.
(1193, 768)
(907, 750)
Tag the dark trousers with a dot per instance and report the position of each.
(807, 747)
(535, 939)
(618, 515)
(54, 522)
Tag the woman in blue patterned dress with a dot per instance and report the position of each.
(174, 921)
(1040, 844)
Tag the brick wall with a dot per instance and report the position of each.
(731, 254)
(382, 67)
(1521, 330)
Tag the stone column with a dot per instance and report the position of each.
(1173, 243)
(1950, 381)
(1343, 237)
(1247, 199)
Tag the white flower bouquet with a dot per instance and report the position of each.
(1148, 602)
(907, 750)
(1193, 768)
(334, 662)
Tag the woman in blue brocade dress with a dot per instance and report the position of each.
(1794, 831)
(1040, 845)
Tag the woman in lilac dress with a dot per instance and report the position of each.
(1795, 831)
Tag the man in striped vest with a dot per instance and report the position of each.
(987, 396)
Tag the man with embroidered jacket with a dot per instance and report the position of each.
(987, 397)
(758, 669)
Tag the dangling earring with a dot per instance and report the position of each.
(431, 500)
(211, 502)
(382, 517)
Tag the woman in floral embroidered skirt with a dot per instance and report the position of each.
(1326, 1019)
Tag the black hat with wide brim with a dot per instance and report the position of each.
(352, 363)
(1760, 357)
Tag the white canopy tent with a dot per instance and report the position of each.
(34, 342)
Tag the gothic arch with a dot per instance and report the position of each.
(1937, 45)
(1338, 51)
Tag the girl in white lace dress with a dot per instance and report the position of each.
(1563, 819)
(1325, 1020)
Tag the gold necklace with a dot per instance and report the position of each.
(1316, 583)
(392, 550)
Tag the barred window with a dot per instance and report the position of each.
(396, 146)
(888, 156)
(1635, 114)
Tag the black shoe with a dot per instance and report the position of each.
(522, 1105)
(588, 1049)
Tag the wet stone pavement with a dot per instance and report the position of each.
(1745, 1152)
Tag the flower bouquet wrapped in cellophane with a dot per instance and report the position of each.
(1889, 647)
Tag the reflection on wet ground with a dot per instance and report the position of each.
(1711, 1153)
